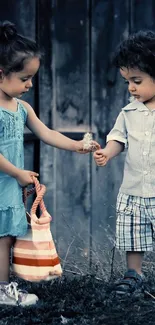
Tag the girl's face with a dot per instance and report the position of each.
(140, 85)
(15, 84)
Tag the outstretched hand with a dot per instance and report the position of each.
(93, 146)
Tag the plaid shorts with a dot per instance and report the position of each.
(135, 223)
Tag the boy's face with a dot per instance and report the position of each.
(140, 85)
(15, 84)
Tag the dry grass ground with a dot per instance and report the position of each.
(82, 300)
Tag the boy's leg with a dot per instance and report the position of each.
(134, 237)
(132, 279)
(134, 261)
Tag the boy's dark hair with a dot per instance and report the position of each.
(15, 48)
(137, 51)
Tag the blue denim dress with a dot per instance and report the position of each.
(12, 211)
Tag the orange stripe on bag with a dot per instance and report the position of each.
(28, 244)
(38, 239)
(41, 257)
(36, 262)
(39, 278)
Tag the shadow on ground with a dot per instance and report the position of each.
(82, 301)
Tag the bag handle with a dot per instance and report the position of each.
(40, 190)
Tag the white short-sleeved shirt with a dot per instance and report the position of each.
(135, 127)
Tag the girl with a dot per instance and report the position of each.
(135, 129)
(19, 62)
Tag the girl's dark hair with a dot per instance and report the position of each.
(15, 48)
(137, 51)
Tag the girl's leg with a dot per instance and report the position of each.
(5, 247)
(9, 293)
(134, 261)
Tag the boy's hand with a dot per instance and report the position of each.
(93, 146)
(24, 177)
(101, 157)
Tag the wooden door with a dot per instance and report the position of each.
(78, 90)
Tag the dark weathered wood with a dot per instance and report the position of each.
(72, 171)
(109, 24)
(46, 98)
(25, 20)
(23, 14)
(77, 90)
(29, 154)
(143, 14)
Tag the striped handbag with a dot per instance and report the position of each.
(34, 256)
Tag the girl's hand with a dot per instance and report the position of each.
(101, 157)
(80, 146)
(24, 177)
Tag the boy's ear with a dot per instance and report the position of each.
(1, 75)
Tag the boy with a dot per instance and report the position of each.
(135, 130)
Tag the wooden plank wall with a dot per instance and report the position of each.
(23, 14)
(110, 20)
(77, 90)
(71, 116)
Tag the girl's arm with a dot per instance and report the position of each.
(7, 167)
(23, 177)
(52, 137)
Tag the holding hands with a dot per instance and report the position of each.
(101, 157)
(81, 148)
(112, 149)
(87, 144)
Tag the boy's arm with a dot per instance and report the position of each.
(116, 142)
(112, 149)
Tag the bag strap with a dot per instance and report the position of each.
(40, 190)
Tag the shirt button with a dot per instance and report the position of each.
(146, 133)
(146, 113)
(145, 172)
(144, 153)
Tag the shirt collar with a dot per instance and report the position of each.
(135, 105)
